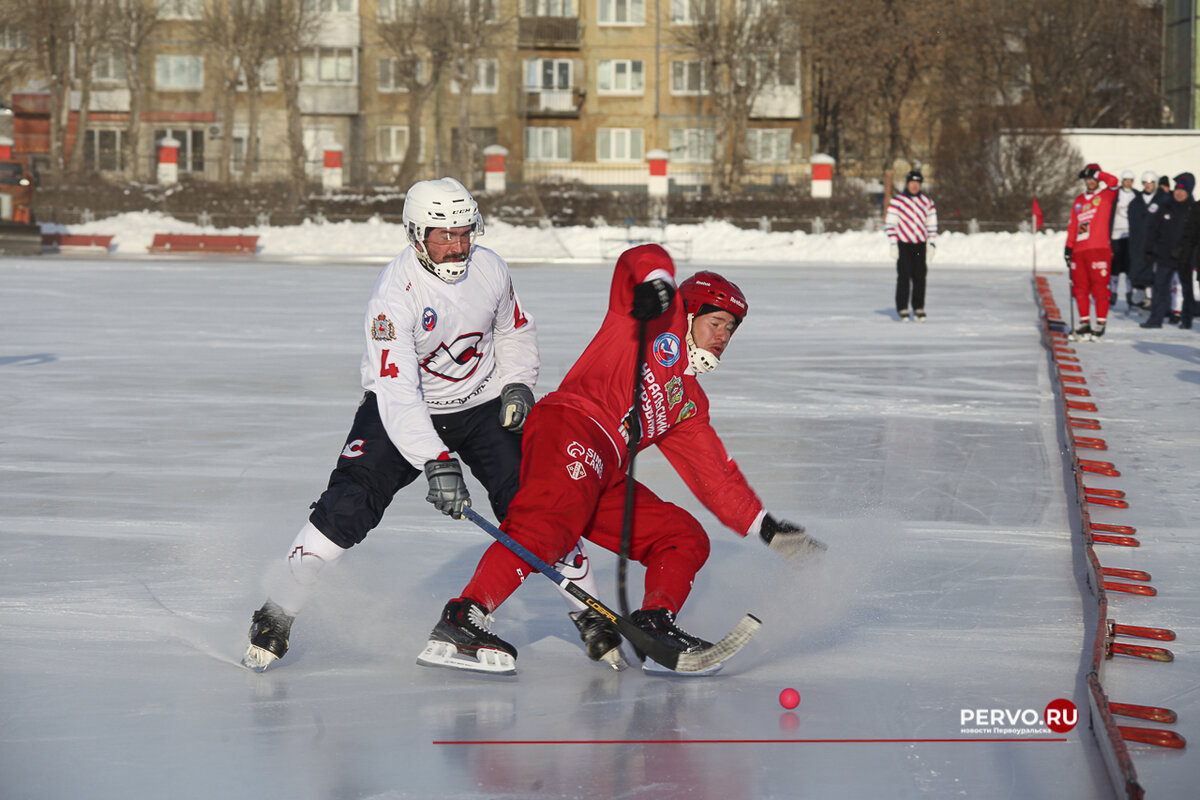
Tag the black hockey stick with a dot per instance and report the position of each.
(696, 661)
(635, 436)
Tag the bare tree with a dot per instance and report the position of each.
(128, 35)
(420, 37)
(481, 30)
(874, 61)
(296, 26)
(49, 30)
(739, 44)
(93, 21)
(227, 26)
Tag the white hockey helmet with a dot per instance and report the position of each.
(443, 203)
(1149, 176)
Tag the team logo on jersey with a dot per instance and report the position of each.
(591, 457)
(456, 361)
(687, 412)
(674, 392)
(666, 349)
(428, 319)
(1096, 201)
(382, 329)
(353, 449)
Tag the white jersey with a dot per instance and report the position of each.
(437, 347)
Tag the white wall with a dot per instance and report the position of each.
(1167, 152)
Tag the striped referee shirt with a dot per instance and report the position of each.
(911, 218)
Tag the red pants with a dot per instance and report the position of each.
(1089, 281)
(572, 486)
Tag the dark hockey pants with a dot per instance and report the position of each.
(910, 271)
(371, 470)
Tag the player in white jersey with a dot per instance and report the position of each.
(450, 361)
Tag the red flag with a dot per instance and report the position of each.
(1037, 216)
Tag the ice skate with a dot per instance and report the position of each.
(919, 314)
(904, 316)
(600, 637)
(1082, 333)
(660, 623)
(462, 640)
(1097, 331)
(269, 631)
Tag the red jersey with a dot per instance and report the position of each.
(674, 409)
(1091, 217)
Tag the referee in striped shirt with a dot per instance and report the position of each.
(911, 227)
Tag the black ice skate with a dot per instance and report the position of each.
(1098, 331)
(1082, 333)
(600, 637)
(660, 623)
(462, 640)
(919, 314)
(269, 631)
(903, 316)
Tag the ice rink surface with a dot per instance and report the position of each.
(164, 426)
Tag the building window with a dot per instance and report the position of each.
(191, 148)
(687, 77)
(13, 38)
(102, 150)
(329, 6)
(548, 8)
(619, 144)
(620, 77)
(688, 12)
(391, 143)
(693, 145)
(241, 137)
(487, 76)
(769, 145)
(178, 73)
(109, 66)
(180, 9)
(329, 66)
(621, 12)
(268, 77)
(547, 144)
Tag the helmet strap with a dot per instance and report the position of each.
(701, 361)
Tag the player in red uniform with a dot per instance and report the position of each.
(1089, 250)
(575, 452)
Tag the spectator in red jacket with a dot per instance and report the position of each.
(1089, 250)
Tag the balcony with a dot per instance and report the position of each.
(555, 103)
(549, 33)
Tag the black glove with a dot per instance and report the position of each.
(651, 299)
(1067, 256)
(447, 489)
(1090, 171)
(516, 400)
(789, 539)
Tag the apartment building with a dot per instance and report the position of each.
(574, 90)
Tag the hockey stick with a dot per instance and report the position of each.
(696, 661)
(635, 436)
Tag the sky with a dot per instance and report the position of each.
(165, 423)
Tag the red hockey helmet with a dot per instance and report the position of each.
(710, 289)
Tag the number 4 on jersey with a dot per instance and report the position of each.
(387, 370)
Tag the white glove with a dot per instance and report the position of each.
(789, 539)
(930, 251)
(895, 251)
